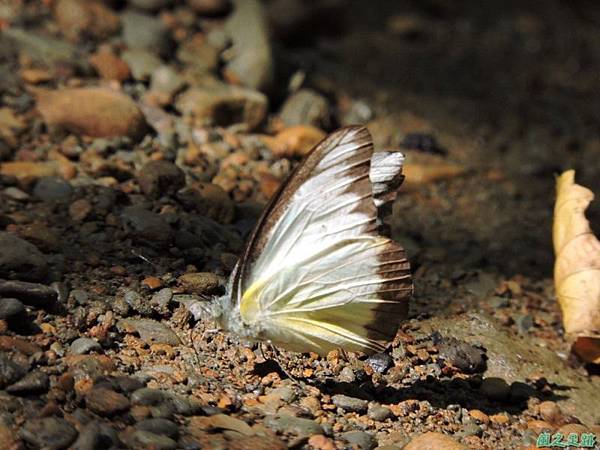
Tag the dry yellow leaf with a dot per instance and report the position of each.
(577, 266)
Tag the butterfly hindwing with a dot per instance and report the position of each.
(316, 275)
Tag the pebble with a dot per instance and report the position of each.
(146, 226)
(295, 141)
(550, 411)
(142, 63)
(145, 31)
(42, 49)
(495, 389)
(96, 436)
(537, 426)
(148, 397)
(162, 298)
(93, 111)
(21, 260)
(210, 7)
(380, 362)
(199, 282)
(465, 357)
(41, 236)
(150, 5)
(470, 429)
(434, 441)
(252, 63)
(147, 439)
(11, 307)
(159, 426)
(29, 169)
(109, 66)
(223, 105)
(291, 424)
(347, 375)
(210, 200)
(361, 439)
(33, 294)
(33, 383)
(85, 18)
(165, 80)
(15, 194)
(321, 442)
(160, 178)
(306, 107)
(479, 416)
(198, 54)
(150, 331)
(51, 433)
(80, 209)
(378, 412)
(53, 190)
(106, 402)
(351, 404)
(83, 345)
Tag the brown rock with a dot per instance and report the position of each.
(80, 209)
(9, 343)
(77, 18)
(434, 441)
(550, 412)
(296, 141)
(109, 66)
(159, 178)
(500, 419)
(106, 402)
(93, 112)
(269, 185)
(320, 442)
(199, 282)
(537, 426)
(210, 7)
(29, 169)
(222, 104)
(479, 416)
(576, 428)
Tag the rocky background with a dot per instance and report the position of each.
(139, 141)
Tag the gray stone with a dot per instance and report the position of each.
(34, 294)
(15, 194)
(252, 61)
(148, 396)
(147, 226)
(84, 345)
(33, 383)
(347, 375)
(145, 31)
(11, 307)
(380, 362)
(20, 259)
(10, 371)
(378, 412)
(306, 107)
(97, 436)
(146, 439)
(362, 439)
(289, 424)
(162, 298)
(42, 49)
(50, 433)
(143, 63)
(166, 80)
(150, 331)
(53, 190)
(159, 426)
(351, 404)
(465, 357)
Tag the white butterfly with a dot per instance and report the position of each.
(316, 275)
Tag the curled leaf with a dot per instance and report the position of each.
(577, 267)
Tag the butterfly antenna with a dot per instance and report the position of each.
(276, 354)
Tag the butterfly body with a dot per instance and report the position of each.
(316, 273)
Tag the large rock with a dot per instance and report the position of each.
(20, 259)
(514, 359)
(221, 104)
(248, 28)
(93, 112)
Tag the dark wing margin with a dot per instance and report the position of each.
(278, 203)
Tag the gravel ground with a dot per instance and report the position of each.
(139, 141)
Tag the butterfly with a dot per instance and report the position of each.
(316, 273)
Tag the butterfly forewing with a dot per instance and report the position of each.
(315, 274)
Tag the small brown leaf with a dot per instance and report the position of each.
(577, 266)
